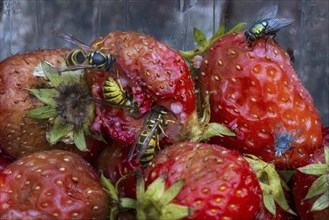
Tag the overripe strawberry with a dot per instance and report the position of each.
(213, 182)
(56, 182)
(154, 74)
(252, 91)
(113, 163)
(31, 214)
(19, 134)
(5, 159)
(311, 187)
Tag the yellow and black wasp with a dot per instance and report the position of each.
(148, 138)
(266, 24)
(85, 56)
(115, 95)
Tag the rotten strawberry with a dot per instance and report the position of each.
(56, 182)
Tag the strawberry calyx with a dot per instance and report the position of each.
(155, 202)
(68, 106)
(205, 130)
(204, 44)
(320, 187)
(271, 184)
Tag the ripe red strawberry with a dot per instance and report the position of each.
(217, 183)
(311, 187)
(154, 74)
(255, 90)
(19, 134)
(56, 182)
(113, 164)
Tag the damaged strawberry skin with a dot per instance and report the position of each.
(154, 74)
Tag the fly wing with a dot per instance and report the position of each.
(267, 13)
(276, 24)
(278, 129)
(296, 133)
(73, 40)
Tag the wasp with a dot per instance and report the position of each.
(266, 24)
(148, 138)
(85, 56)
(117, 96)
(283, 140)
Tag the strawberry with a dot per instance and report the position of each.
(112, 162)
(325, 135)
(311, 187)
(256, 93)
(5, 159)
(19, 134)
(154, 75)
(203, 181)
(59, 183)
(31, 214)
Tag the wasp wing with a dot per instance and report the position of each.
(276, 24)
(146, 141)
(267, 13)
(73, 40)
(72, 68)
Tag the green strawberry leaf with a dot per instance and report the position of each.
(319, 186)
(321, 203)
(59, 130)
(43, 112)
(79, 139)
(52, 75)
(199, 37)
(45, 95)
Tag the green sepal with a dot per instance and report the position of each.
(128, 203)
(215, 129)
(59, 130)
(79, 139)
(237, 28)
(171, 193)
(319, 186)
(204, 44)
(218, 34)
(109, 188)
(314, 169)
(326, 154)
(270, 182)
(199, 37)
(321, 203)
(52, 75)
(155, 189)
(45, 95)
(174, 211)
(269, 203)
(43, 112)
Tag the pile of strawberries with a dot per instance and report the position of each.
(240, 130)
